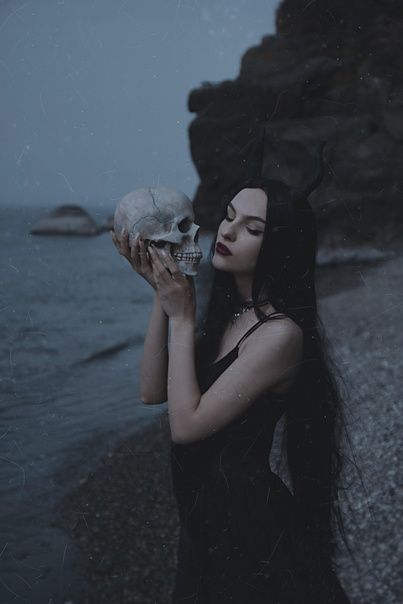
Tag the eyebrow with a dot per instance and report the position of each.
(250, 217)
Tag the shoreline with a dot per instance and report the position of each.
(123, 516)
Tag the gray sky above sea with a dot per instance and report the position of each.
(93, 93)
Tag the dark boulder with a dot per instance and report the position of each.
(332, 73)
(66, 220)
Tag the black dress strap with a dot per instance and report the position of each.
(256, 325)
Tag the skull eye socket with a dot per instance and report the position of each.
(185, 225)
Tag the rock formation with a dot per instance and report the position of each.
(332, 72)
(66, 220)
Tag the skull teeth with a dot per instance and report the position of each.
(190, 257)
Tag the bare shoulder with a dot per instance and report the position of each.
(279, 344)
(277, 328)
(282, 333)
(287, 326)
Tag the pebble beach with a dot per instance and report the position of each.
(122, 515)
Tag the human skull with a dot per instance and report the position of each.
(165, 217)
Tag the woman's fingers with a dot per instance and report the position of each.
(125, 243)
(159, 263)
(165, 266)
(170, 262)
(123, 247)
(145, 259)
(156, 260)
(134, 251)
(139, 254)
(171, 265)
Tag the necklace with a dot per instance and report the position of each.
(244, 306)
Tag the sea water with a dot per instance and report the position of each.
(73, 317)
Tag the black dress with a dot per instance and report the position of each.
(236, 539)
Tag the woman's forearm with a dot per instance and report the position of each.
(154, 366)
(183, 387)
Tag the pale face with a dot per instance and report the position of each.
(241, 234)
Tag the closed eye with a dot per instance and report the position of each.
(251, 231)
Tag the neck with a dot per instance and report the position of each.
(244, 286)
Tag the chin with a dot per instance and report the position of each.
(219, 259)
(221, 266)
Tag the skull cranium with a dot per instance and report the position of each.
(165, 217)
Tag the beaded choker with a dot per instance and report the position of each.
(244, 306)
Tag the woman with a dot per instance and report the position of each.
(244, 537)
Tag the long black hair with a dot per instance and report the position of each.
(315, 416)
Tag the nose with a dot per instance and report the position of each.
(227, 232)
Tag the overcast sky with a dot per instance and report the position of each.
(93, 93)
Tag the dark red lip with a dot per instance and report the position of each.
(222, 249)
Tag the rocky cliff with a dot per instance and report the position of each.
(332, 72)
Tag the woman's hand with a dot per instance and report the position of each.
(137, 255)
(176, 291)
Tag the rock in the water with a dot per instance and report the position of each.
(66, 220)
